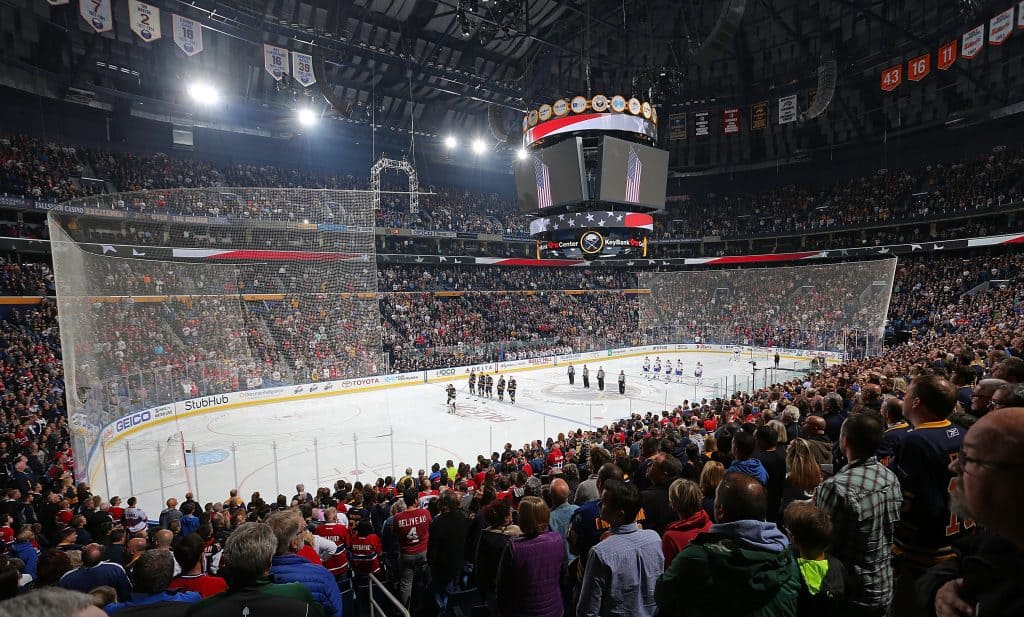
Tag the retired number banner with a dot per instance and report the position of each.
(302, 69)
(97, 14)
(144, 20)
(892, 77)
(974, 40)
(275, 60)
(947, 55)
(188, 34)
(787, 109)
(919, 67)
(1000, 27)
(759, 116)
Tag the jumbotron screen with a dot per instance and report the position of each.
(551, 176)
(633, 174)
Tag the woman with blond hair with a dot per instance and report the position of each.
(710, 477)
(803, 474)
(685, 497)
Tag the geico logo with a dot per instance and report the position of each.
(446, 371)
(133, 420)
(203, 403)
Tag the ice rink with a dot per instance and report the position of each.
(363, 435)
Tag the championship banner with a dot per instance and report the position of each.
(731, 120)
(787, 109)
(144, 20)
(676, 127)
(947, 55)
(919, 67)
(974, 40)
(302, 67)
(188, 34)
(97, 14)
(1000, 27)
(702, 123)
(275, 61)
(892, 77)
(759, 116)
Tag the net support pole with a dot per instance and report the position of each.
(316, 463)
(160, 471)
(128, 453)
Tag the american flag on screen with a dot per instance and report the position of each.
(543, 176)
(634, 169)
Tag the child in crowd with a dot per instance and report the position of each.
(823, 578)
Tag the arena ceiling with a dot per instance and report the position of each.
(439, 65)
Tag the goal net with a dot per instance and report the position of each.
(239, 289)
(828, 307)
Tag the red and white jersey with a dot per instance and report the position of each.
(366, 554)
(555, 459)
(426, 497)
(413, 530)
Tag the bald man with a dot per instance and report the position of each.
(817, 440)
(721, 563)
(981, 398)
(983, 579)
(561, 511)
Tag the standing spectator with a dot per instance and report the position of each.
(927, 529)
(664, 470)
(23, 549)
(531, 566)
(816, 439)
(823, 577)
(135, 518)
(288, 567)
(710, 476)
(863, 501)
(623, 568)
(51, 602)
(561, 511)
(498, 533)
(774, 462)
(150, 579)
(168, 515)
(984, 577)
(446, 548)
(189, 521)
(412, 529)
(189, 555)
(743, 566)
(248, 554)
(95, 572)
(896, 429)
(743, 445)
(803, 474)
(685, 497)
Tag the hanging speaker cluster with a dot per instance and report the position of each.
(825, 92)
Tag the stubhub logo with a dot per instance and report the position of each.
(208, 401)
(133, 420)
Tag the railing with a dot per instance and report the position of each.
(393, 605)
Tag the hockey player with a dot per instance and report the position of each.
(698, 373)
(490, 386)
(735, 355)
(657, 368)
(451, 398)
(668, 371)
(512, 390)
(472, 383)
(647, 367)
(501, 387)
(679, 371)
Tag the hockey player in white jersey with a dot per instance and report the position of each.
(657, 367)
(679, 371)
(647, 367)
(698, 374)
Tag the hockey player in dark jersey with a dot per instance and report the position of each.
(490, 386)
(512, 390)
(501, 387)
(472, 383)
(451, 398)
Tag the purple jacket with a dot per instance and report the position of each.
(529, 575)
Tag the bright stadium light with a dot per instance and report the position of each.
(450, 142)
(203, 93)
(522, 154)
(307, 117)
(479, 146)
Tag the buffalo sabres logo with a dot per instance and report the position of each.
(591, 243)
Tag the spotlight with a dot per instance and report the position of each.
(479, 146)
(450, 142)
(306, 116)
(522, 154)
(203, 93)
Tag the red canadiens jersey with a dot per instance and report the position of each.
(413, 530)
(366, 554)
(340, 535)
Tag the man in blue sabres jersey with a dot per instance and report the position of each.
(927, 529)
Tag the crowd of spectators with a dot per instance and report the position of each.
(33, 167)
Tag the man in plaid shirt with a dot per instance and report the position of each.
(864, 502)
